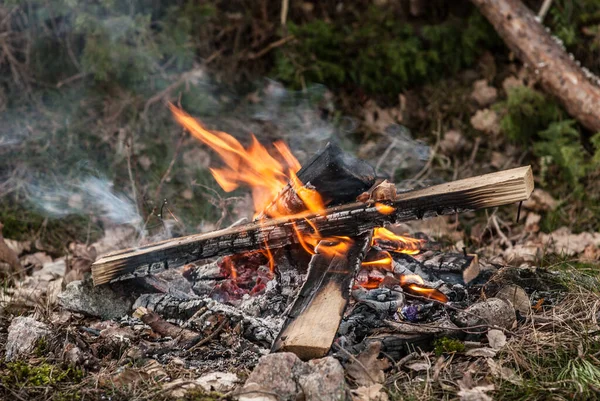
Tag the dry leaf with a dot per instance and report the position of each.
(496, 338)
(486, 120)
(7, 255)
(503, 372)
(367, 370)
(378, 119)
(517, 297)
(483, 93)
(540, 201)
(452, 142)
(371, 393)
(476, 393)
(418, 366)
(532, 222)
(471, 392)
(218, 381)
(563, 241)
(484, 352)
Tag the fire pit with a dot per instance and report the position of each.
(322, 236)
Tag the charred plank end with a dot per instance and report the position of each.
(489, 190)
(313, 321)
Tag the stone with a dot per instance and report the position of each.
(284, 377)
(325, 381)
(492, 312)
(221, 382)
(23, 336)
(105, 302)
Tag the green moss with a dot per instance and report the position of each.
(22, 374)
(525, 112)
(447, 345)
(381, 53)
(201, 395)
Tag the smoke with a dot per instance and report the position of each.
(89, 196)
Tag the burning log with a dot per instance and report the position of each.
(315, 317)
(490, 190)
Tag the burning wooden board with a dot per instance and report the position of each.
(485, 191)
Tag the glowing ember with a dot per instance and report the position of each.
(384, 209)
(385, 239)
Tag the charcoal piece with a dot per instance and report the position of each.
(445, 262)
(380, 299)
(338, 176)
(170, 306)
(396, 346)
(208, 271)
(404, 262)
(361, 322)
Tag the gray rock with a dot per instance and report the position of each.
(106, 302)
(284, 377)
(23, 335)
(325, 381)
(492, 312)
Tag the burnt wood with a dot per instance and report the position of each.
(490, 190)
(313, 320)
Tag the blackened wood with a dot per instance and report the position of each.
(557, 71)
(490, 190)
(336, 175)
(314, 319)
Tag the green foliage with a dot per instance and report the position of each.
(529, 116)
(381, 54)
(525, 113)
(447, 345)
(561, 143)
(117, 41)
(23, 374)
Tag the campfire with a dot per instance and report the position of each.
(322, 235)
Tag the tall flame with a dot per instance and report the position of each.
(255, 167)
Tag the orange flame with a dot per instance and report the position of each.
(334, 246)
(385, 239)
(427, 292)
(265, 174)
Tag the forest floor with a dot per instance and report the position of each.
(91, 161)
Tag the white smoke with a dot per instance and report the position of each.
(89, 196)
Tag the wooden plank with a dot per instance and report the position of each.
(313, 321)
(489, 190)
